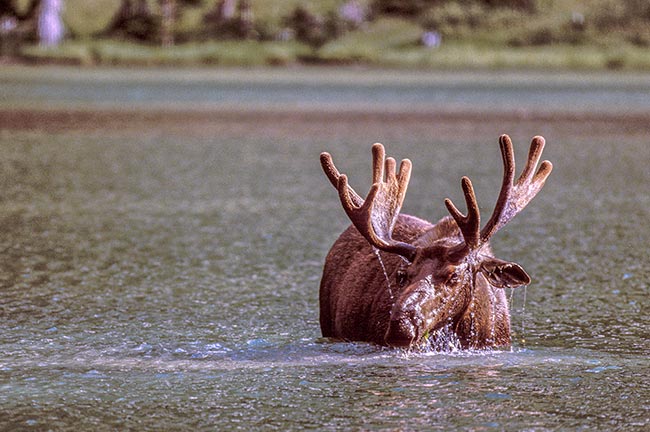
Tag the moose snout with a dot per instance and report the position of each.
(402, 331)
(407, 317)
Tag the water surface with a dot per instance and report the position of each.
(330, 89)
(164, 276)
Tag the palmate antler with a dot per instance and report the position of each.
(513, 198)
(375, 216)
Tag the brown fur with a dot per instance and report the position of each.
(355, 297)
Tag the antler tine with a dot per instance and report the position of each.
(333, 175)
(534, 154)
(514, 197)
(378, 156)
(508, 156)
(471, 223)
(545, 168)
(375, 216)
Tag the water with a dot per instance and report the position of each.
(372, 90)
(383, 269)
(163, 275)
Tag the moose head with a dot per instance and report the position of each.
(399, 280)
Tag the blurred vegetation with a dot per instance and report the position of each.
(577, 34)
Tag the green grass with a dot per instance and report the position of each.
(399, 51)
(386, 42)
(227, 53)
(381, 39)
(502, 40)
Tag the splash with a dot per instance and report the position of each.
(494, 318)
(442, 340)
(511, 305)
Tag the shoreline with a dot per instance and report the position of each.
(316, 120)
(352, 74)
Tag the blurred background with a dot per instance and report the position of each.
(164, 218)
(576, 34)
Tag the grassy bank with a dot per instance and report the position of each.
(472, 38)
(112, 52)
(353, 50)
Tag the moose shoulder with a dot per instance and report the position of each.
(399, 280)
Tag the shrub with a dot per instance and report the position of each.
(403, 7)
(453, 15)
(238, 23)
(567, 33)
(314, 30)
(134, 20)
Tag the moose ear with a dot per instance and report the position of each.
(504, 274)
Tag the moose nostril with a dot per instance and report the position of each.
(401, 332)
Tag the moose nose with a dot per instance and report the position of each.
(401, 332)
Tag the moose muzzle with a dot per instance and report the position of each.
(407, 319)
(402, 332)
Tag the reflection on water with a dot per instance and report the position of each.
(167, 278)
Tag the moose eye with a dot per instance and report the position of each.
(401, 277)
(453, 278)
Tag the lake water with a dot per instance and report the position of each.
(300, 88)
(160, 268)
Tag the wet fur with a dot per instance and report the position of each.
(355, 298)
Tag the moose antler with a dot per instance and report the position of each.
(513, 197)
(375, 216)
(471, 224)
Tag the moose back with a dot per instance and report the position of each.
(399, 280)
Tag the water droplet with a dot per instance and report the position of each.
(383, 268)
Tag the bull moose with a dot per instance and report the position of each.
(397, 280)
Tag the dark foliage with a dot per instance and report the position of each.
(403, 7)
(241, 25)
(134, 20)
(308, 27)
(416, 7)
(7, 8)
